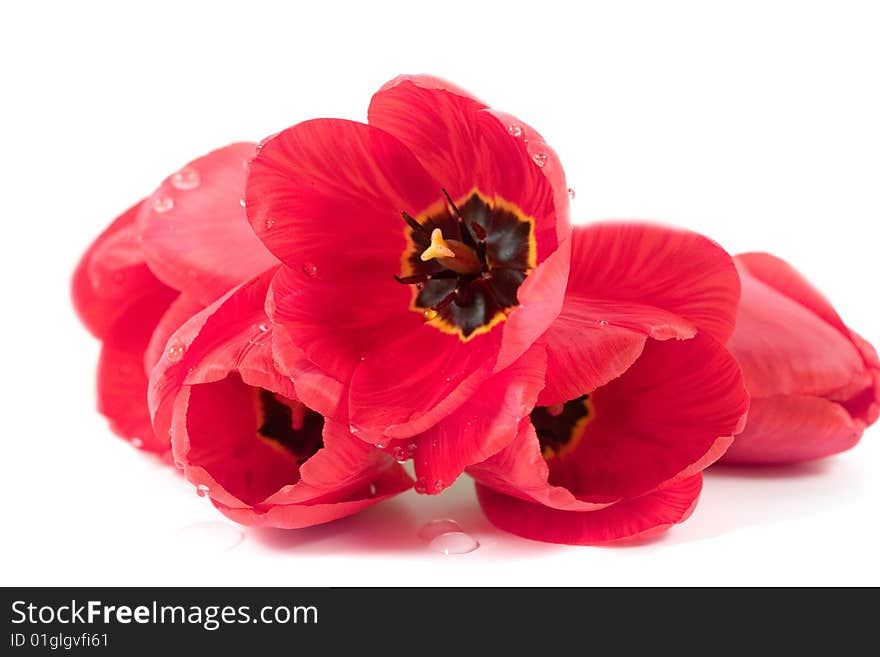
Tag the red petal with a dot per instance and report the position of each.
(328, 193)
(480, 427)
(194, 221)
(540, 301)
(582, 357)
(391, 482)
(122, 380)
(784, 347)
(782, 277)
(656, 420)
(520, 470)
(204, 391)
(326, 197)
(630, 519)
(791, 428)
(314, 387)
(112, 276)
(437, 123)
(663, 282)
(416, 381)
(463, 145)
(175, 316)
(336, 320)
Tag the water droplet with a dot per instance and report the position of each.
(310, 269)
(353, 430)
(603, 322)
(380, 445)
(514, 130)
(163, 204)
(208, 537)
(186, 178)
(202, 490)
(412, 448)
(454, 543)
(175, 351)
(420, 286)
(372, 490)
(137, 442)
(118, 277)
(571, 193)
(420, 487)
(434, 528)
(540, 158)
(438, 485)
(263, 327)
(429, 314)
(269, 223)
(401, 455)
(242, 202)
(434, 443)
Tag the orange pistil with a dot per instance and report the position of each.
(452, 254)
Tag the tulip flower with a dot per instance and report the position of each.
(241, 434)
(424, 253)
(162, 260)
(814, 383)
(641, 393)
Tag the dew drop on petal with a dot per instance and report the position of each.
(268, 223)
(137, 442)
(372, 490)
(186, 178)
(163, 204)
(438, 485)
(263, 327)
(434, 528)
(420, 486)
(208, 537)
(571, 193)
(429, 314)
(175, 351)
(401, 455)
(514, 130)
(202, 490)
(310, 269)
(379, 445)
(454, 543)
(603, 322)
(412, 448)
(540, 158)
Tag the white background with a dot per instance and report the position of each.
(757, 123)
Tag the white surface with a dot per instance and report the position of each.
(756, 124)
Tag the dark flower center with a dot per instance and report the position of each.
(561, 427)
(290, 424)
(467, 261)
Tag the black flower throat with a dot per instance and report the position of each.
(467, 261)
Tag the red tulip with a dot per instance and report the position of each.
(158, 263)
(241, 434)
(424, 253)
(814, 383)
(641, 394)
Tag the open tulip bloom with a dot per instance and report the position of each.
(292, 320)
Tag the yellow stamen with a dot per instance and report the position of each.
(438, 247)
